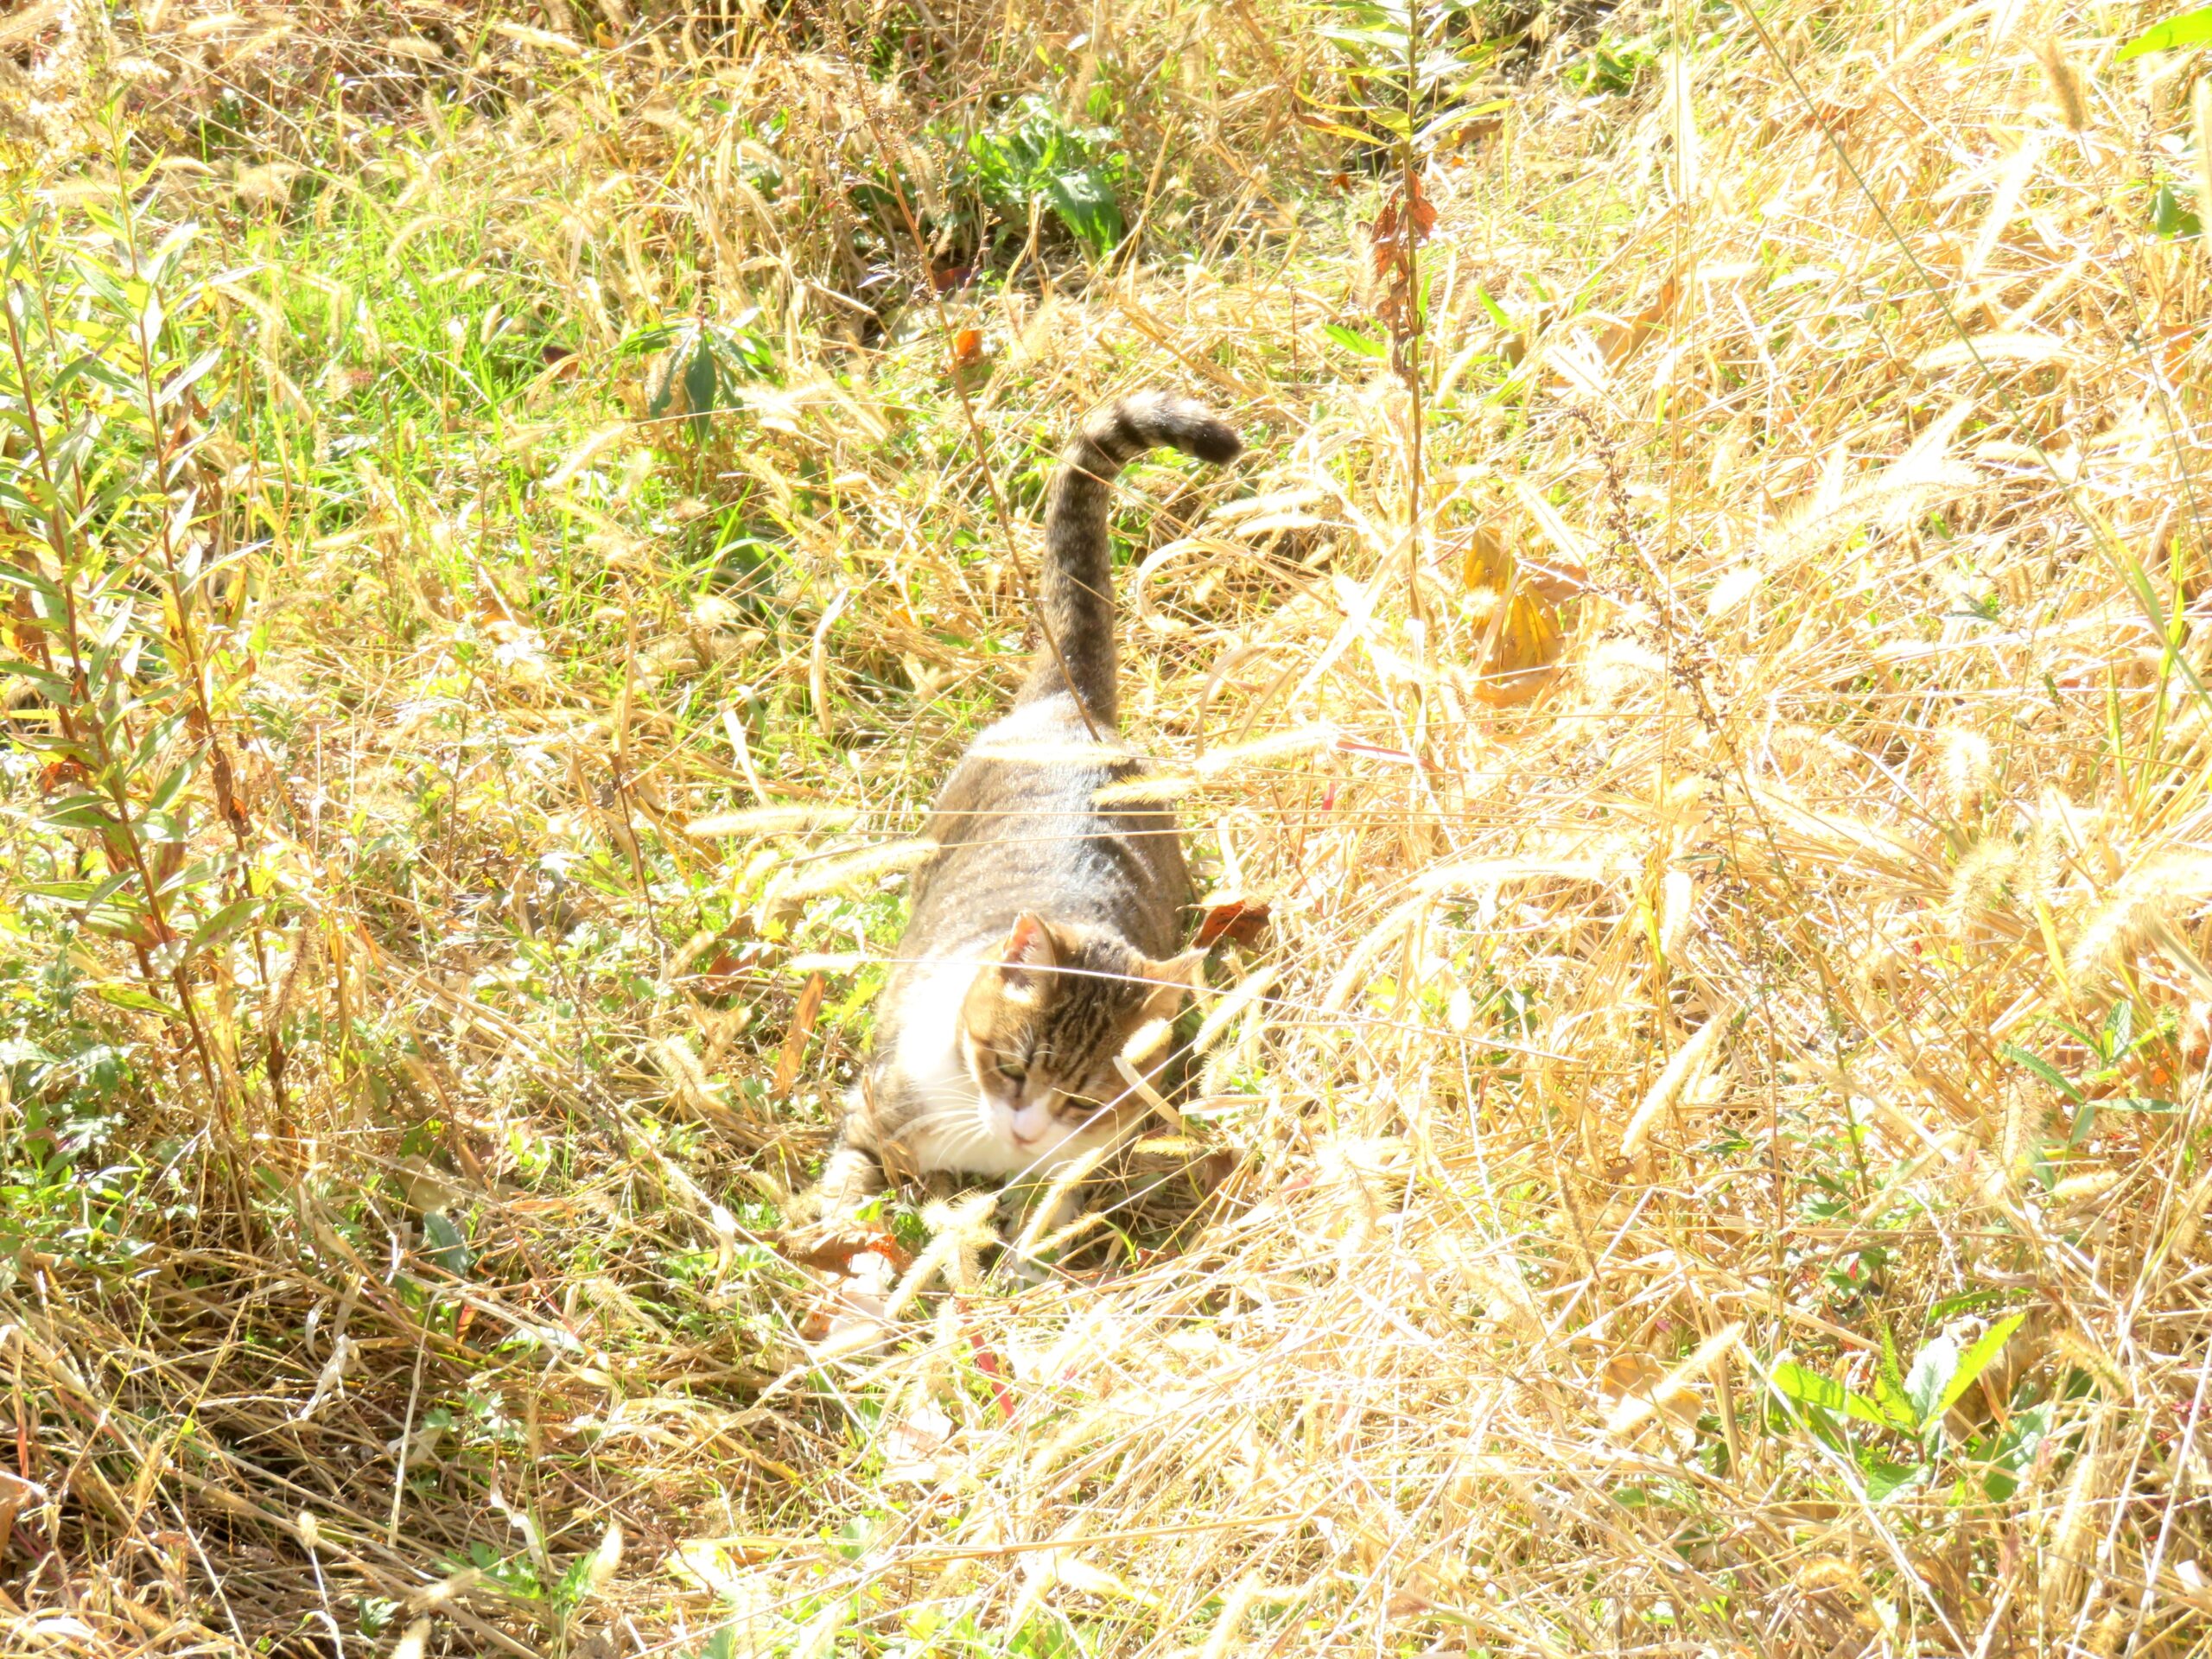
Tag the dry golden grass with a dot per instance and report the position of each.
(1650, 1097)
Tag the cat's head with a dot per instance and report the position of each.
(1042, 1027)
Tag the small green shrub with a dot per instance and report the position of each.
(1032, 156)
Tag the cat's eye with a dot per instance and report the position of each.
(1013, 1072)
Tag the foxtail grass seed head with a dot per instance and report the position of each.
(1688, 1065)
(1969, 766)
(2188, 1220)
(607, 1560)
(2158, 888)
(1978, 882)
(2068, 90)
(1677, 893)
(2022, 1114)
(2042, 865)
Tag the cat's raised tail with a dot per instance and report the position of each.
(1076, 595)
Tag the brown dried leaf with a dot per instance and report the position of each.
(1385, 238)
(1390, 310)
(1485, 561)
(833, 1252)
(1557, 579)
(1623, 341)
(1523, 654)
(802, 1026)
(60, 774)
(723, 976)
(1229, 916)
(1424, 214)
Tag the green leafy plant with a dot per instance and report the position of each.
(118, 580)
(700, 373)
(1033, 157)
(1612, 68)
(2169, 218)
(1907, 1403)
(1409, 68)
(2111, 1047)
(2178, 34)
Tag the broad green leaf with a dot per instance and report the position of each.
(2172, 221)
(701, 382)
(1810, 1388)
(223, 922)
(1977, 1359)
(1337, 129)
(1965, 1302)
(2191, 28)
(1452, 120)
(2119, 1025)
(53, 687)
(1934, 1369)
(76, 892)
(1875, 1412)
(129, 997)
(448, 1248)
(1889, 1384)
(79, 812)
(1353, 341)
(16, 575)
(2043, 1067)
(1885, 1479)
(166, 791)
(685, 341)
(1086, 206)
(2011, 1450)
(109, 887)
(171, 248)
(179, 383)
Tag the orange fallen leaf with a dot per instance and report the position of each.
(1485, 561)
(967, 348)
(724, 975)
(2175, 340)
(1622, 340)
(58, 775)
(1555, 579)
(802, 1027)
(833, 1252)
(1241, 921)
(1522, 652)
(1424, 209)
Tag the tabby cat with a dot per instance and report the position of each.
(1043, 935)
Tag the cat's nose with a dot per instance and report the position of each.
(1027, 1126)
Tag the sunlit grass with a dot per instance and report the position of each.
(1707, 1153)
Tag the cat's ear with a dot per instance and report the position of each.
(1030, 955)
(1174, 979)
